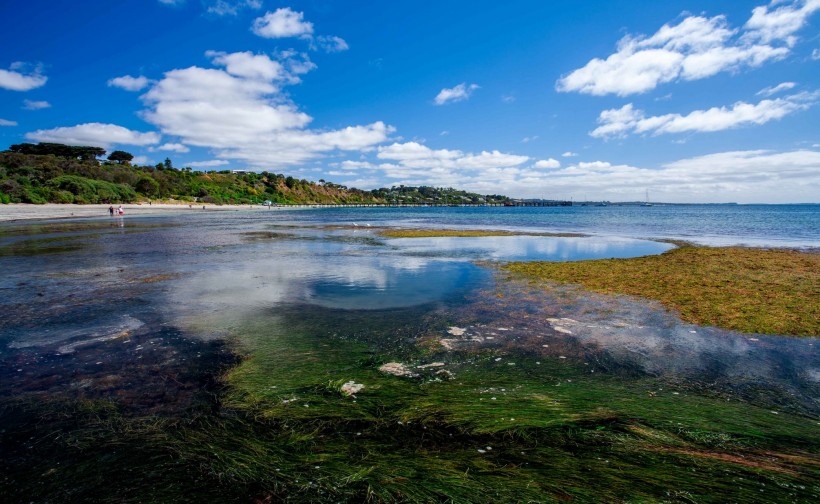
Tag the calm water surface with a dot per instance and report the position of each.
(135, 309)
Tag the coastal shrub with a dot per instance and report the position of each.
(147, 186)
(34, 195)
(4, 198)
(12, 189)
(93, 191)
(61, 197)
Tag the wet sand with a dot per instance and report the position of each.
(26, 211)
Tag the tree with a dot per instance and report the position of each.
(121, 157)
(168, 164)
(84, 152)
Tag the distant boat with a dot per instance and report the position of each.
(647, 203)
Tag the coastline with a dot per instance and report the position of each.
(26, 211)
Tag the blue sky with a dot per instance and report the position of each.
(693, 101)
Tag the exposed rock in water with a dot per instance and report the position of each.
(431, 365)
(397, 369)
(351, 387)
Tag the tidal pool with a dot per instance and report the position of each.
(207, 357)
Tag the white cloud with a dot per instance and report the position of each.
(35, 105)
(174, 147)
(529, 139)
(22, 77)
(569, 154)
(172, 2)
(458, 93)
(548, 163)
(247, 64)
(140, 161)
(241, 112)
(417, 163)
(95, 134)
(780, 23)
(6, 122)
(232, 8)
(508, 98)
(207, 164)
(281, 24)
(130, 83)
(815, 54)
(627, 119)
(745, 177)
(695, 48)
(329, 43)
(769, 91)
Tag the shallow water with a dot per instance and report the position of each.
(149, 312)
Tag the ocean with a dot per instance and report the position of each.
(715, 225)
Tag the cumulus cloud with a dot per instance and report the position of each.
(239, 110)
(174, 147)
(35, 105)
(695, 48)
(282, 23)
(569, 154)
(22, 77)
(625, 120)
(6, 122)
(548, 163)
(130, 83)
(742, 176)
(773, 90)
(455, 94)
(416, 163)
(232, 8)
(207, 164)
(95, 134)
(772, 23)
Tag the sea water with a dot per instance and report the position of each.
(140, 310)
(716, 225)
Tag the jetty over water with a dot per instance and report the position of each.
(515, 203)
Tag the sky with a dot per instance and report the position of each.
(690, 101)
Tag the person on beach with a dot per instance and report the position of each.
(120, 210)
(111, 210)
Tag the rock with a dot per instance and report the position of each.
(351, 387)
(431, 365)
(456, 331)
(397, 369)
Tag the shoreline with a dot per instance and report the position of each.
(14, 212)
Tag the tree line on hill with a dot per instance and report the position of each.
(57, 173)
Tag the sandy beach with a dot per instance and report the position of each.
(25, 211)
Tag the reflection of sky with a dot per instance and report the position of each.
(620, 332)
(353, 276)
(531, 248)
(329, 274)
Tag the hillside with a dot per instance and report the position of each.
(55, 173)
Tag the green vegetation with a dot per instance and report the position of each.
(56, 173)
(426, 195)
(509, 423)
(744, 289)
(539, 431)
